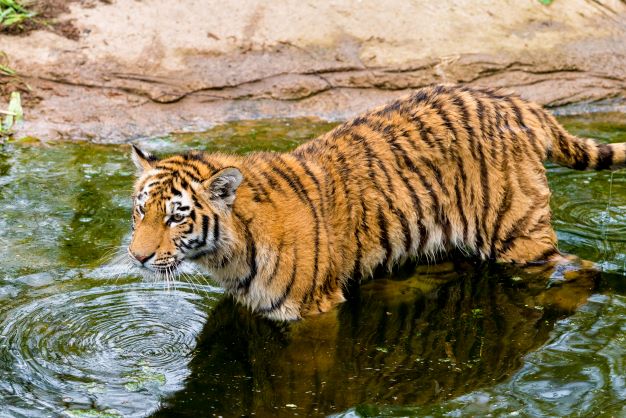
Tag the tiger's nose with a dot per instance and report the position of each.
(142, 258)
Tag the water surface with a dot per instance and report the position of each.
(81, 337)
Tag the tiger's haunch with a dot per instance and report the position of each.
(446, 168)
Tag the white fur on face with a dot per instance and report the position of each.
(179, 206)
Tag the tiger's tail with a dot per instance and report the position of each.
(583, 153)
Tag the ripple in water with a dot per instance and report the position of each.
(112, 348)
(597, 212)
(590, 215)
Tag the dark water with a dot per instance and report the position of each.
(80, 337)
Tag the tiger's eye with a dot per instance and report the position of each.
(177, 217)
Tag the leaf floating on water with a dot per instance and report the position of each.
(477, 313)
(143, 379)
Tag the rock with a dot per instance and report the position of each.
(145, 68)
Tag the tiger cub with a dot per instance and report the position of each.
(446, 168)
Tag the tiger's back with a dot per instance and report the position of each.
(446, 168)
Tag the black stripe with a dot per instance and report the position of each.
(196, 202)
(519, 118)
(438, 213)
(505, 206)
(459, 206)
(493, 125)
(304, 165)
(340, 164)
(295, 184)
(544, 256)
(216, 229)
(605, 157)
(261, 195)
(327, 288)
(371, 156)
(175, 173)
(543, 222)
(437, 174)
(190, 167)
(425, 133)
(545, 130)
(481, 230)
(456, 157)
(245, 282)
(356, 270)
(283, 297)
(516, 231)
(271, 181)
(582, 157)
(199, 157)
(561, 142)
(272, 274)
(465, 123)
(181, 167)
(205, 232)
(384, 235)
(504, 164)
(343, 176)
(399, 153)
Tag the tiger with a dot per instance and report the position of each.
(449, 168)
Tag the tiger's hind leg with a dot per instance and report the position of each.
(537, 248)
(540, 259)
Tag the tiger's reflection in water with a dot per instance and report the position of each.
(422, 335)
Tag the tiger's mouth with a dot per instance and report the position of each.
(165, 268)
(161, 267)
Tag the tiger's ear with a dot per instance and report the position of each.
(221, 187)
(143, 160)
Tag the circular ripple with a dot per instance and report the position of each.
(591, 219)
(100, 347)
(590, 214)
(590, 204)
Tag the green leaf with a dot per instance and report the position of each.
(15, 106)
(14, 113)
(6, 70)
(545, 2)
(11, 13)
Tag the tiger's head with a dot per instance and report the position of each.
(181, 209)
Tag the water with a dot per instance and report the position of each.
(80, 337)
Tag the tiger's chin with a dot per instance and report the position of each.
(163, 272)
(167, 268)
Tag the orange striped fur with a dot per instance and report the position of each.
(446, 168)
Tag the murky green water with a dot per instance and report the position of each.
(78, 337)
